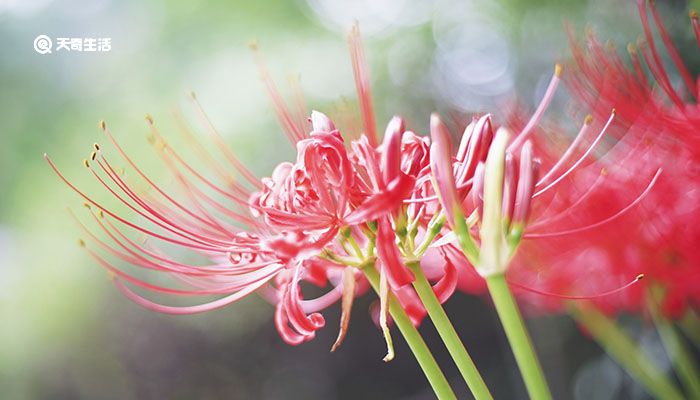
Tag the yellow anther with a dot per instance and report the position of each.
(558, 70)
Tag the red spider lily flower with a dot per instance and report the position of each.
(317, 220)
(665, 118)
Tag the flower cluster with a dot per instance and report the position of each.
(343, 207)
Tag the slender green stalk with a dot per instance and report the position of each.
(519, 339)
(676, 348)
(420, 350)
(434, 227)
(449, 336)
(690, 324)
(623, 350)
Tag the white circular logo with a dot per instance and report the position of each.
(43, 44)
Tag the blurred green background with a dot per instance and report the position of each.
(65, 332)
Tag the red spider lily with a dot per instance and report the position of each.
(652, 109)
(316, 220)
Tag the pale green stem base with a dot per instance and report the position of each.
(623, 350)
(519, 339)
(415, 342)
(677, 350)
(449, 336)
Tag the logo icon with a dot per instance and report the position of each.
(43, 44)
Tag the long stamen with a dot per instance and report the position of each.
(605, 221)
(190, 169)
(203, 154)
(163, 264)
(161, 208)
(672, 51)
(145, 204)
(193, 192)
(655, 59)
(240, 282)
(578, 297)
(362, 84)
(539, 112)
(637, 65)
(292, 129)
(580, 160)
(298, 100)
(568, 210)
(224, 269)
(168, 226)
(569, 151)
(126, 222)
(224, 301)
(138, 170)
(696, 25)
(219, 140)
(135, 258)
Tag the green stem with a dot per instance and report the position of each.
(449, 336)
(415, 342)
(677, 350)
(520, 341)
(690, 324)
(623, 350)
(434, 227)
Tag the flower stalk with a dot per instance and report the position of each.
(519, 339)
(676, 348)
(449, 336)
(625, 352)
(414, 340)
(495, 255)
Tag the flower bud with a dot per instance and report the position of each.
(441, 166)
(391, 154)
(320, 122)
(474, 146)
(527, 179)
(494, 249)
